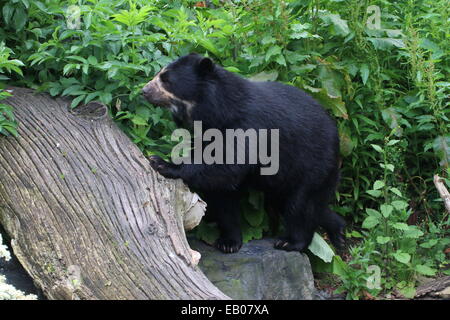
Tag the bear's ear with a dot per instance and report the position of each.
(205, 66)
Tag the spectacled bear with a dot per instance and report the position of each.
(197, 89)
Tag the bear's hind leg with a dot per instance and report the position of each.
(334, 226)
(227, 216)
(300, 222)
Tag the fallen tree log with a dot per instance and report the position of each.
(88, 217)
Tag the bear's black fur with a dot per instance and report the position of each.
(196, 89)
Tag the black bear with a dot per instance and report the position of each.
(196, 89)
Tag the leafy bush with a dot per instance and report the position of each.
(399, 249)
(7, 123)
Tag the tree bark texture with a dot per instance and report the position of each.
(443, 192)
(88, 217)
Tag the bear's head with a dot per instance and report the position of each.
(177, 85)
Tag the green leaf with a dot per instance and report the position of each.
(232, 69)
(334, 103)
(346, 143)
(400, 226)
(208, 45)
(339, 25)
(400, 204)
(377, 148)
(396, 191)
(370, 222)
(374, 193)
(355, 234)
(6, 110)
(26, 3)
(383, 240)
(77, 58)
(386, 210)
(250, 233)
(68, 67)
(87, 20)
(299, 31)
(413, 232)
(8, 11)
(402, 257)
(392, 119)
(253, 217)
(139, 121)
(273, 51)
(386, 44)
(429, 45)
(207, 232)
(20, 19)
(280, 60)
(373, 213)
(364, 71)
(339, 266)
(76, 101)
(441, 147)
(70, 90)
(55, 91)
(320, 248)
(134, 16)
(265, 76)
(378, 185)
(425, 270)
(331, 79)
(12, 129)
(92, 60)
(408, 291)
(393, 142)
(429, 244)
(106, 97)
(91, 96)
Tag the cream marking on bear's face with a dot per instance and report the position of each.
(166, 97)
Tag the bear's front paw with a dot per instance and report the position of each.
(288, 245)
(164, 168)
(228, 245)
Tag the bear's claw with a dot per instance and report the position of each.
(156, 162)
(162, 167)
(285, 244)
(228, 245)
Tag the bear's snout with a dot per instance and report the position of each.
(156, 94)
(152, 94)
(148, 90)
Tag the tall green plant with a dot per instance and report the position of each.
(8, 124)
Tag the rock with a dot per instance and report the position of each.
(18, 277)
(13, 271)
(444, 294)
(258, 271)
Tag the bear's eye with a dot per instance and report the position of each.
(164, 77)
